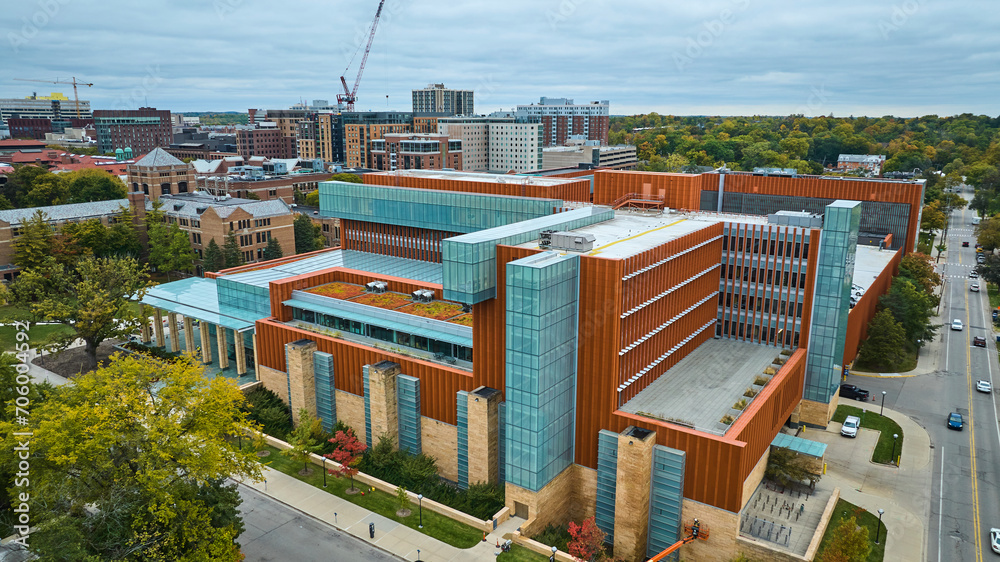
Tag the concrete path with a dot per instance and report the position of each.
(903, 492)
(389, 535)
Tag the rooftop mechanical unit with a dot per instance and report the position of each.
(423, 295)
(572, 241)
(376, 286)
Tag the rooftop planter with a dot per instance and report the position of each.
(437, 310)
(389, 301)
(464, 320)
(338, 290)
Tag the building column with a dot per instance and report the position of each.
(241, 358)
(632, 484)
(382, 400)
(220, 335)
(484, 419)
(256, 361)
(144, 330)
(188, 335)
(158, 327)
(175, 342)
(301, 376)
(206, 343)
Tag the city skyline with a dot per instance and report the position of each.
(734, 57)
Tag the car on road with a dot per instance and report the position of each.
(850, 427)
(853, 392)
(979, 341)
(957, 325)
(980, 258)
(955, 421)
(984, 386)
(965, 244)
(973, 274)
(974, 287)
(995, 539)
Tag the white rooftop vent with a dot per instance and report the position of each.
(423, 295)
(376, 286)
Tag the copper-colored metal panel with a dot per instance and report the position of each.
(864, 310)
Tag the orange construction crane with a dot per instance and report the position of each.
(76, 96)
(695, 531)
(350, 96)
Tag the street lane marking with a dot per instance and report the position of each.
(972, 445)
(941, 505)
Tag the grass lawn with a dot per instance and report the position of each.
(871, 420)
(36, 335)
(925, 244)
(994, 295)
(846, 510)
(10, 313)
(520, 554)
(435, 525)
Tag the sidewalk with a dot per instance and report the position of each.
(389, 535)
(904, 492)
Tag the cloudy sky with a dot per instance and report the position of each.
(719, 57)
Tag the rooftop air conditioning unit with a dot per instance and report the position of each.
(376, 286)
(423, 295)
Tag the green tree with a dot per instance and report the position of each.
(252, 196)
(94, 300)
(213, 259)
(231, 254)
(93, 185)
(128, 464)
(273, 250)
(402, 498)
(305, 440)
(787, 467)
(308, 236)
(33, 247)
(20, 183)
(987, 233)
(47, 189)
(932, 217)
(312, 198)
(180, 251)
(919, 269)
(849, 543)
(913, 309)
(883, 349)
(350, 178)
(122, 239)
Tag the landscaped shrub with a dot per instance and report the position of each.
(265, 408)
(418, 473)
(760, 380)
(156, 352)
(554, 535)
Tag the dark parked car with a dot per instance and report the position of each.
(979, 341)
(853, 392)
(965, 244)
(955, 421)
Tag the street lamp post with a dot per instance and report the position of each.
(418, 555)
(324, 472)
(878, 529)
(553, 557)
(883, 404)
(420, 503)
(894, 437)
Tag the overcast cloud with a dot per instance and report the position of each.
(719, 57)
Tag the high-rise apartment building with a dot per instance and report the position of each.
(496, 143)
(268, 142)
(55, 107)
(435, 98)
(563, 118)
(141, 129)
(416, 152)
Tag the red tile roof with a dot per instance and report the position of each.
(19, 143)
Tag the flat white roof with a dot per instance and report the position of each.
(869, 263)
(513, 179)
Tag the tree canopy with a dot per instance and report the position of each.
(308, 236)
(128, 463)
(273, 250)
(34, 186)
(884, 348)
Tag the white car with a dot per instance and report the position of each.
(995, 539)
(984, 386)
(974, 287)
(956, 324)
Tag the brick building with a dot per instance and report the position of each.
(267, 142)
(416, 152)
(562, 119)
(160, 173)
(141, 129)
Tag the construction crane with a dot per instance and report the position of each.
(350, 95)
(694, 532)
(76, 96)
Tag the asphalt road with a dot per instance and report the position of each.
(965, 496)
(277, 533)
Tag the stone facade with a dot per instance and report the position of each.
(632, 485)
(818, 414)
(351, 410)
(382, 400)
(754, 478)
(301, 376)
(723, 527)
(568, 497)
(438, 440)
(484, 418)
(277, 382)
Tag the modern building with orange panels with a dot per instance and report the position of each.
(590, 359)
(518, 185)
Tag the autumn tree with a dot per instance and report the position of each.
(312, 199)
(786, 467)
(587, 541)
(347, 453)
(129, 463)
(884, 347)
(932, 217)
(93, 300)
(304, 440)
(919, 269)
(988, 233)
(348, 177)
(848, 543)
